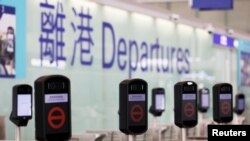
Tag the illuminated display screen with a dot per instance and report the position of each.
(225, 96)
(56, 98)
(160, 102)
(24, 105)
(136, 97)
(241, 104)
(205, 100)
(188, 97)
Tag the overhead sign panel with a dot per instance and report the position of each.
(223, 40)
(212, 4)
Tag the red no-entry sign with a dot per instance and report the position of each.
(136, 113)
(225, 107)
(189, 109)
(56, 117)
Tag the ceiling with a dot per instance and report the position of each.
(237, 19)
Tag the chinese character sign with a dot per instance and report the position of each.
(52, 39)
(84, 40)
(52, 31)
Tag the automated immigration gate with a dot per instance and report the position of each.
(52, 108)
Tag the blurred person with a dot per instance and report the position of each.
(10, 49)
(2, 60)
(245, 71)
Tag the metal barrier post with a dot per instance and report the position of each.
(156, 132)
(183, 134)
(18, 133)
(131, 137)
